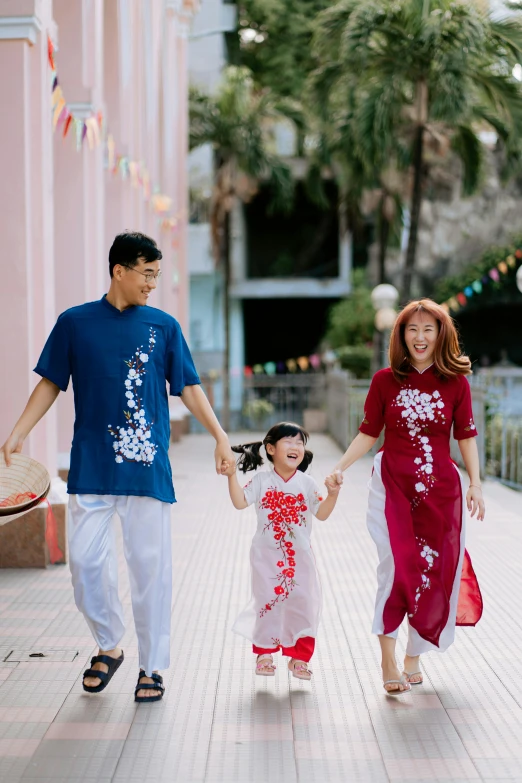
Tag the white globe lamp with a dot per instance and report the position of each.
(384, 295)
(385, 319)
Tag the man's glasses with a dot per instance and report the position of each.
(149, 276)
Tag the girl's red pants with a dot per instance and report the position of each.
(302, 650)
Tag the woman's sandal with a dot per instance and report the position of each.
(265, 666)
(113, 665)
(397, 691)
(157, 685)
(413, 674)
(300, 669)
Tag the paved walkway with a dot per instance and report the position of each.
(221, 723)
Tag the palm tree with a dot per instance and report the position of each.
(427, 74)
(237, 122)
(364, 188)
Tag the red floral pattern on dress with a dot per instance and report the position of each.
(285, 512)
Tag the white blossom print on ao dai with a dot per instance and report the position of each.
(133, 439)
(285, 604)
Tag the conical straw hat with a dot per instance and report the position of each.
(23, 484)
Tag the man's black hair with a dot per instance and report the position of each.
(129, 247)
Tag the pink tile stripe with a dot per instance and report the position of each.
(423, 702)
(29, 614)
(27, 714)
(428, 769)
(334, 716)
(88, 731)
(60, 642)
(353, 751)
(505, 748)
(231, 732)
(18, 747)
(480, 716)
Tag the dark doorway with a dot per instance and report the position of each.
(488, 333)
(281, 329)
(302, 243)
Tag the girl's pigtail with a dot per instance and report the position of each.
(307, 460)
(250, 458)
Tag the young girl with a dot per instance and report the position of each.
(417, 504)
(284, 610)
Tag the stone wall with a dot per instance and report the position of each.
(454, 230)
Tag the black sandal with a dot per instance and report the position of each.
(105, 677)
(157, 685)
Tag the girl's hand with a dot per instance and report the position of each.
(332, 484)
(228, 468)
(475, 502)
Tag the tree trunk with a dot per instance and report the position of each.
(225, 410)
(416, 203)
(384, 235)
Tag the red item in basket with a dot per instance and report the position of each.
(16, 500)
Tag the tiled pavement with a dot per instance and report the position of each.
(218, 721)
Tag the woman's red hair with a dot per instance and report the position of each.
(448, 358)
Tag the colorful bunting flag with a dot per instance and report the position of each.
(477, 286)
(90, 130)
(85, 128)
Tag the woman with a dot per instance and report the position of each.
(416, 513)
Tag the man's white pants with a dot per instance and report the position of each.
(93, 560)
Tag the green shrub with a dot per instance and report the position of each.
(351, 321)
(356, 358)
(257, 410)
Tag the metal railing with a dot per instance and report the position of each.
(500, 427)
(285, 398)
(504, 449)
(345, 406)
(499, 438)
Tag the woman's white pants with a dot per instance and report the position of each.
(93, 560)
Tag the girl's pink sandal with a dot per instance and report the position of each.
(300, 669)
(265, 666)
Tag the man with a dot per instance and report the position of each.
(119, 353)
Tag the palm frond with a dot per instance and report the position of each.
(281, 185)
(469, 149)
(329, 26)
(315, 186)
(507, 33)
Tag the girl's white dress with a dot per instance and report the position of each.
(286, 593)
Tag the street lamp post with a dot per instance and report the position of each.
(384, 298)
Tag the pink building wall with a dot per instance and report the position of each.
(60, 208)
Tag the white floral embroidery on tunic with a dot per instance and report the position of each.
(419, 409)
(133, 440)
(428, 554)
